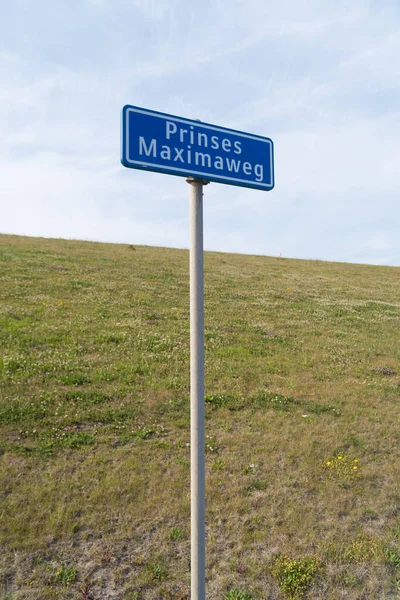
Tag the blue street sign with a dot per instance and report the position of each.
(155, 141)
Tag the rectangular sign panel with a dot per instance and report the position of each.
(156, 141)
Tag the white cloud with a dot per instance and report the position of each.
(321, 79)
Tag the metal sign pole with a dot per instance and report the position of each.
(164, 143)
(197, 468)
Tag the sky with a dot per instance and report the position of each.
(321, 79)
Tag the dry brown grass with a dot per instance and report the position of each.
(302, 366)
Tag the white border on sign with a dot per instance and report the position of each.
(206, 126)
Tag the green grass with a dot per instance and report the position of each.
(295, 576)
(302, 367)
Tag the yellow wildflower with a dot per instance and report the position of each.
(340, 457)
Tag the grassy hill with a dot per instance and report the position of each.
(302, 425)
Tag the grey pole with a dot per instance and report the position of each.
(197, 468)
